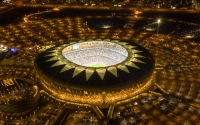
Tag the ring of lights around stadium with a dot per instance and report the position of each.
(72, 82)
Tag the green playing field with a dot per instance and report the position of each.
(97, 65)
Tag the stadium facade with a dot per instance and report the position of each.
(126, 70)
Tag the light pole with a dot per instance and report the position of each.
(158, 22)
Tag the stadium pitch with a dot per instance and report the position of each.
(97, 65)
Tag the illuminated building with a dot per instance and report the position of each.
(115, 71)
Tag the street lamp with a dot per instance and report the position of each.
(158, 22)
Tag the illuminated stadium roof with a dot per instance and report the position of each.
(56, 65)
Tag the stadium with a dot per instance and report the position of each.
(97, 72)
(83, 65)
